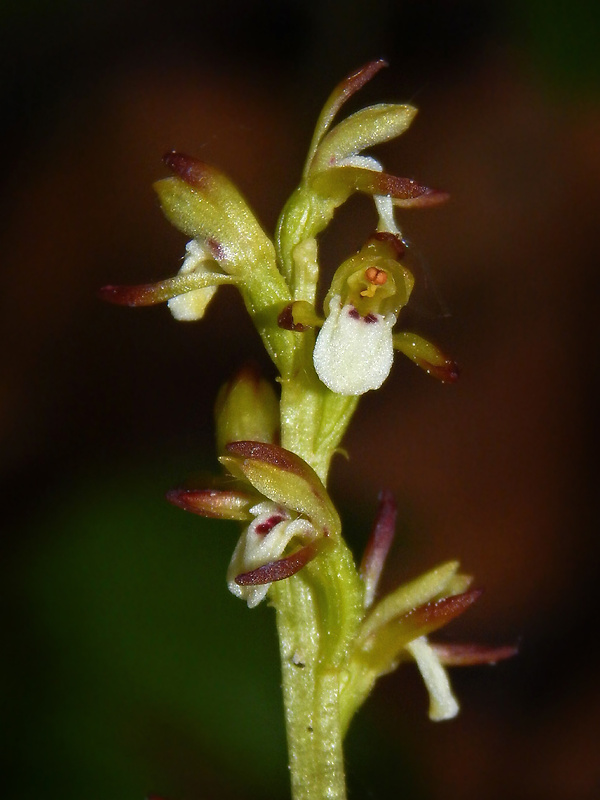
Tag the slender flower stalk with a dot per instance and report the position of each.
(275, 449)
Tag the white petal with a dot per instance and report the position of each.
(442, 703)
(353, 355)
(255, 549)
(192, 305)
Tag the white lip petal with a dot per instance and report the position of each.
(257, 547)
(442, 703)
(353, 354)
(191, 306)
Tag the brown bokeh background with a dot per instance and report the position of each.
(102, 409)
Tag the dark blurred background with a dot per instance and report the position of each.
(127, 667)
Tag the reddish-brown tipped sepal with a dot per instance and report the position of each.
(217, 503)
(431, 616)
(379, 544)
(340, 95)
(194, 172)
(149, 294)
(282, 568)
(427, 356)
(468, 655)
(405, 192)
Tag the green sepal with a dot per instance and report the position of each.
(284, 478)
(366, 128)
(246, 408)
(149, 294)
(408, 597)
(341, 182)
(232, 504)
(427, 356)
(382, 651)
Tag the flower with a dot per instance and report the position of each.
(397, 628)
(258, 558)
(335, 168)
(227, 246)
(354, 349)
(291, 517)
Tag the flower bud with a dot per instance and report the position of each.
(246, 409)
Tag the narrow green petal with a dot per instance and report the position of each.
(149, 294)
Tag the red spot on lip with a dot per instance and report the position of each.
(369, 318)
(268, 525)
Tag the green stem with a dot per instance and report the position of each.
(318, 609)
(310, 695)
(313, 419)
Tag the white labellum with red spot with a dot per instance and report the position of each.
(354, 354)
(264, 541)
